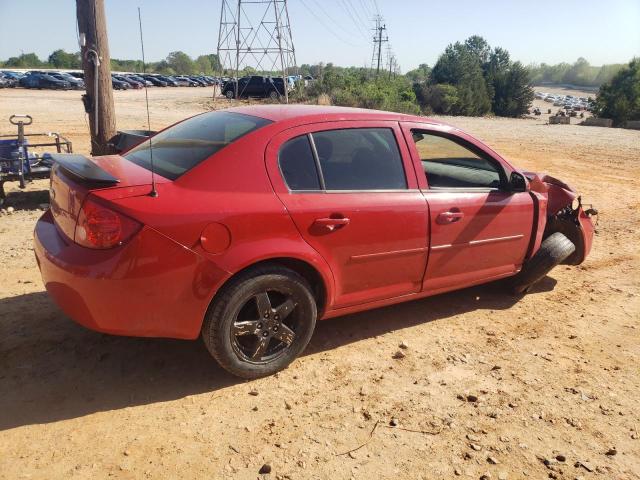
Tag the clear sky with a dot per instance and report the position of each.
(548, 31)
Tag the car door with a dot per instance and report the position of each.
(352, 193)
(480, 227)
(255, 87)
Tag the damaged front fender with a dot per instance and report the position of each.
(563, 216)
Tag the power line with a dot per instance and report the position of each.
(324, 10)
(358, 16)
(367, 12)
(330, 30)
(353, 19)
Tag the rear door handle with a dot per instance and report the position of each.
(449, 217)
(331, 224)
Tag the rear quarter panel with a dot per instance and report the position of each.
(230, 188)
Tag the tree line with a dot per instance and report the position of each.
(469, 78)
(176, 63)
(580, 73)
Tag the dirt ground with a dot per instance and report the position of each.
(543, 386)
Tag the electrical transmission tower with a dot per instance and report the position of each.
(256, 34)
(378, 40)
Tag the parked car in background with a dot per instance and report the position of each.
(6, 82)
(132, 83)
(42, 80)
(155, 81)
(341, 210)
(9, 81)
(255, 86)
(119, 84)
(139, 79)
(182, 81)
(200, 81)
(12, 75)
(76, 83)
(171, 82)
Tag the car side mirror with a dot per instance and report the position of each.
(517, 182)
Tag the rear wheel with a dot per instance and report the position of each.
(273, 95)
(229, 94)
(260, 322)
(553, 251)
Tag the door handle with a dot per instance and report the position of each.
(449, 217)
(331, 224)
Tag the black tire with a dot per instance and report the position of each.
(229, 94)
(553, 251)
(232, 328)
(274, 95)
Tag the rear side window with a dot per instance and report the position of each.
(360, 159)
(180, 148)
(298, 166)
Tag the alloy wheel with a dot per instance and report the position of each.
(265, 327)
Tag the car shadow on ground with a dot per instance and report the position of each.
(52, 369)
(26, 200)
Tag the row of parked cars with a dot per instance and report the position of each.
(47, 79)
(125, 81)
(250, 86)
(568, 102)
(40, 79)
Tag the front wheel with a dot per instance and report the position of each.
(553, 251)
(259, 323)
(229, 94)
(273, 95)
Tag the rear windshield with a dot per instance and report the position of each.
(180, 148)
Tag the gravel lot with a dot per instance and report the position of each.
(544, 386)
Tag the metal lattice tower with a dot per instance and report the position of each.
(257, 34)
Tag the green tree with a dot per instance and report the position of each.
(207, 64)
(180, 63)
(620, 99)
(61, 59)
(460, 66)
(420, 74)
(26, 60)
(479, 48)
(513, 93)
(127, 65)
(163, 68)
(441, 98)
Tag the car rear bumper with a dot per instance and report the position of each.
(150, 287)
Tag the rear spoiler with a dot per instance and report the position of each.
(83, 168)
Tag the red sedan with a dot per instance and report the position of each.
(263, 219)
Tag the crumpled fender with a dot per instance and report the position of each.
(558, 193)
(561, 215)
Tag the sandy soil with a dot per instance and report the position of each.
(544, 386)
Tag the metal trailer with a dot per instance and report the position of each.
(17, 164)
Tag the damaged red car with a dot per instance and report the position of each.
(263, 219)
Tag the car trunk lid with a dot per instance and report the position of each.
(73, 177)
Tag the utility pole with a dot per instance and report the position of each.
(378, 40)
(94, 50)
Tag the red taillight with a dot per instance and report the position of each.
(101, 227)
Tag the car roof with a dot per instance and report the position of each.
(321, 113)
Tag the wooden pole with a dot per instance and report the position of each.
(92, 27)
